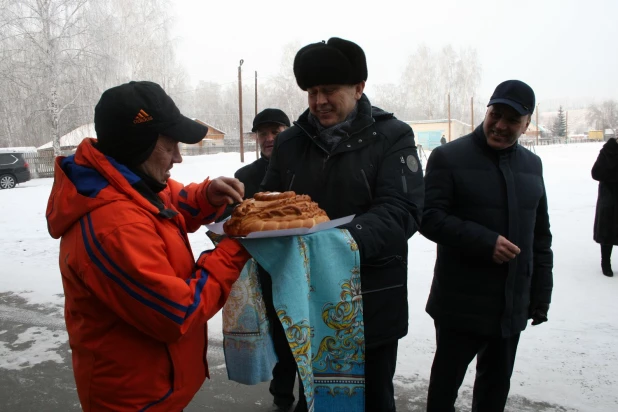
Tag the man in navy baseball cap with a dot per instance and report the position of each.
(494, 262)
(516, 94)
(509, 112)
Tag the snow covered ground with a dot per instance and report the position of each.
(571, 361)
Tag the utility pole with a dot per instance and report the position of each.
(257, 149)
(242, 152)
(472, 114)
(449, 117)
(538, 129)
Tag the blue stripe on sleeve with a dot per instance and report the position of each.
(183, 193)
(120, 283)
(193, 212)
(152, 293)
(198, 292)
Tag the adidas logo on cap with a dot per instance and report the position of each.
(142, 117)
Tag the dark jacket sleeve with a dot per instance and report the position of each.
(439, 223)
(543, 258)
(605, 169)
(397, 206)
(246, 176)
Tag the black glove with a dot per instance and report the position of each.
(215, 238)
(538, 313)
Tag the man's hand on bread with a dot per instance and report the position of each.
(225, 190)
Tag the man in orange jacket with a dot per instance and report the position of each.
(136, 300)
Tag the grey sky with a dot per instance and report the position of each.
(563, 49)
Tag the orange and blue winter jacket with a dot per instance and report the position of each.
(136, 301)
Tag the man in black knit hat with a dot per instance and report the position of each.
(352, 158)
(267, 124)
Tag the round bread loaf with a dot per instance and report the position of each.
(274, 211)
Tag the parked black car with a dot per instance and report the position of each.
(13, 169)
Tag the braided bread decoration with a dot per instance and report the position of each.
(274, 211)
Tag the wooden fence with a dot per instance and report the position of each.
(41, 163)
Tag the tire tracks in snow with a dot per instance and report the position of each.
(30, 317)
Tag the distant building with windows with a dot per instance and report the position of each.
(429, 132)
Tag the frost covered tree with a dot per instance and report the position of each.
(559, 126)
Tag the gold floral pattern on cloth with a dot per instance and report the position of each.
(298, 336)
(317, 295)
(304, 253)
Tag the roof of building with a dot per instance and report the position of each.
(25, 149)
(210, 127)
(74, 137)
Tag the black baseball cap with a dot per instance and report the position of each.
(129, 118)
(516, 94)
(270, 116)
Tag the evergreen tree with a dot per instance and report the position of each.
(559, 127)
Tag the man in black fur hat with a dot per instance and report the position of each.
(352, 158)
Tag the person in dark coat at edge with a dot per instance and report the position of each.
(267, 124)
(352, 158)
(486, 208)
(605, 171)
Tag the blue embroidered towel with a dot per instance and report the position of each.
(317, 295)
(247, 345)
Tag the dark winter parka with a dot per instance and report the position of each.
(473, 194)
(605, 171)
(252, 175)
(374, 173)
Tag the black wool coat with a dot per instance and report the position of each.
(605, 171)
(474, 194)
(375, 174)
(252, 175)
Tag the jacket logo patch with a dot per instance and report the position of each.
(412, 163)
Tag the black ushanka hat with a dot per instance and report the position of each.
(337, 61)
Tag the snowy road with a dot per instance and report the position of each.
(49, 385)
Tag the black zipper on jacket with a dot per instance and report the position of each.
(367, 184)
(291, 182)
(382, 289)
(404, 183)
